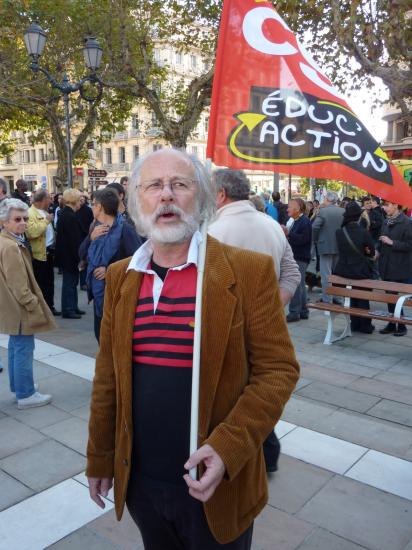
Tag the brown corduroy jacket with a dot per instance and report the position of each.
(248, 371)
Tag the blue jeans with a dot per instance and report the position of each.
(69, 292)
(21, 365)
(298, 302)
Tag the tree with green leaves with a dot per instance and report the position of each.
(376, 34)
(28, 102)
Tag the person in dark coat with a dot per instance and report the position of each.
(118, 242)
(20, 192)
(85, 216)
(299, 235)
(371, 218)
(280, 207)
(68, 239)
(355, 264)
(395, 255)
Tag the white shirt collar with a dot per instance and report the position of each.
(143, 255)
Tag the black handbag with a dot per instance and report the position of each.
(369, 261)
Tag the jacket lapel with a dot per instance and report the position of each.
(218, 307)
(124, 320)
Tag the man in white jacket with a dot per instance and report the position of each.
(238, 223)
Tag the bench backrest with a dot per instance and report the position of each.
(368, 289)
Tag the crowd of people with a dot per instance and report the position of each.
(149, 228)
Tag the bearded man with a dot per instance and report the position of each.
(140, 411)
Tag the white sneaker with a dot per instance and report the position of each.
(36, 388)
(35, 400)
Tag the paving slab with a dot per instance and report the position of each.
(395, 378)
(69, 391)
(39, 417)
(393, 411)
(341, 397)
(124, 534)
(323, 374)
(383, 360)
(82, 539)
(388, 348)
(367, 431)
(302, 382)
(15, 436)
(275, 529)
(47, 517)
(12, 491)
(403, 367)
(72, 432)
(394, 392)
(304, 412)
(351, 368)
(384, 472)
(320, 539)
(322, 450)
(362, 514)
(82, 412)
(43, 465)
(307, 481)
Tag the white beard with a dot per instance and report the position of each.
(173, 233)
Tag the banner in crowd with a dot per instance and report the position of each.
(273, 109)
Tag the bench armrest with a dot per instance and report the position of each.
(399, 305)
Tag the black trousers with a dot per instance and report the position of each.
(271, 451)
(170, 519)
(44, 274)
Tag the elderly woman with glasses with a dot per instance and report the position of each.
(23, 309)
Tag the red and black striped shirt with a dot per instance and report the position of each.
(162, 375)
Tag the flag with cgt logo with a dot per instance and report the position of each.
(273, 109)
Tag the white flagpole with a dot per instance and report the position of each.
(194, 413)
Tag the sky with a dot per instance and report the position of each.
(362, 102)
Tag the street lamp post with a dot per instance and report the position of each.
(35, 40)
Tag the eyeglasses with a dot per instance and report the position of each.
(18, 219)
(177, 187)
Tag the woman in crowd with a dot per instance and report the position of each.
(356, 252)
(68, 239)
(23, 309)
(111, 239)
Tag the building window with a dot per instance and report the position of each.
(41, 155)
(135, 122)
(8, 160)
(108, 156)
(206, 125)
(193, 61)
(154, 120)
(122, 155)
(33, 155)
(179, 58)
(27, 156)
(156, 146)
(157, 55)
(206, 65)
(135, 151)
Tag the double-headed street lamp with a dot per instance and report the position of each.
(35, 40)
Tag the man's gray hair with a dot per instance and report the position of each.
(3, 186)
(233, 182)
(332, 197)
(8, 205)
(40, 195)
(205, 196)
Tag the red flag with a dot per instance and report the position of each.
(273, 109)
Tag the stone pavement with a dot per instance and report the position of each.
(345, 475)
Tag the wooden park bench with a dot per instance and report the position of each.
(365, 289)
